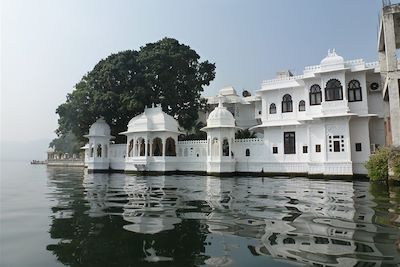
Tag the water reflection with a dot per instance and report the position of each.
(196, 220)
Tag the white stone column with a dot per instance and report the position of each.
(392, 77)
(127, 146)
(151, 147)
(164, 146)
(145, 147)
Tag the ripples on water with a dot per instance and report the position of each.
(118, 219)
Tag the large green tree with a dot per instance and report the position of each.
(176, 78)
(66, 143)
(120, 86)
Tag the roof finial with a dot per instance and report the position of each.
(220, 101)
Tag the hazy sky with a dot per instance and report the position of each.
(48, 45)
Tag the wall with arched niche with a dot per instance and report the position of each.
(170, 147)
(157, 147)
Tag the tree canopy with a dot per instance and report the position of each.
(245, 134)
(66, 143)
(122, 85)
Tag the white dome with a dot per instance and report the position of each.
(220, 117)
(332, 59)
(99, 128)
(153, 120)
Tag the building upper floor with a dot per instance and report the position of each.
(333, 88)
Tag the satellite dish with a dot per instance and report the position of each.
(246, 93)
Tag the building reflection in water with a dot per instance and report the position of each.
(100, 207)
(298, 221)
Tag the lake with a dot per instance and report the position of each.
(67, 217)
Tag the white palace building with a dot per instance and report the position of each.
(326, 121)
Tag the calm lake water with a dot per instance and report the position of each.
(64, 216)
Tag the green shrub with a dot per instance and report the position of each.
(377, 165)
(395, 162)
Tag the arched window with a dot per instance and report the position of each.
(333, 90)
(302, 105)
(354, 91)
(137, 146)
(247, 152)
(215, 147)
(315, 95)
(225, 148)
(142, 147)
(130, 148)
(106, 151)
(272, 108)
(157, 147)
(98, 151)
(170, 147)
(91, 150)
(287, 103)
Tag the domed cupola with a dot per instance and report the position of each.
(97, 151)
(99, 128)
(153, 120)
(332, 61)
(220, 117)
(220, 140)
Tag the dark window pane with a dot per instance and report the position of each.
(354, 91)
(321, 240)
(272, 108)
(341, 242)
(315, 95)
(287, 104)
(289, 141)
(275, 150)
(302, 105)
(225, 148)
(317, 148)
(333, 90)
(360, 247)
(336, 146)
(305, 149)
(358, 146)
(289, 240)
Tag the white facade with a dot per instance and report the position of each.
(324, 122)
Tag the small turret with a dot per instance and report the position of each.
(98, 147)
(220, 137)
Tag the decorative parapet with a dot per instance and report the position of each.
(354, 62)
(374, 64)
(348, 63)
(312, 68)
(249, 140)
(277, 80)
(192, 142)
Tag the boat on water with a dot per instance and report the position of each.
(38, 162)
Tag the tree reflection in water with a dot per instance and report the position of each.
(125, 220)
